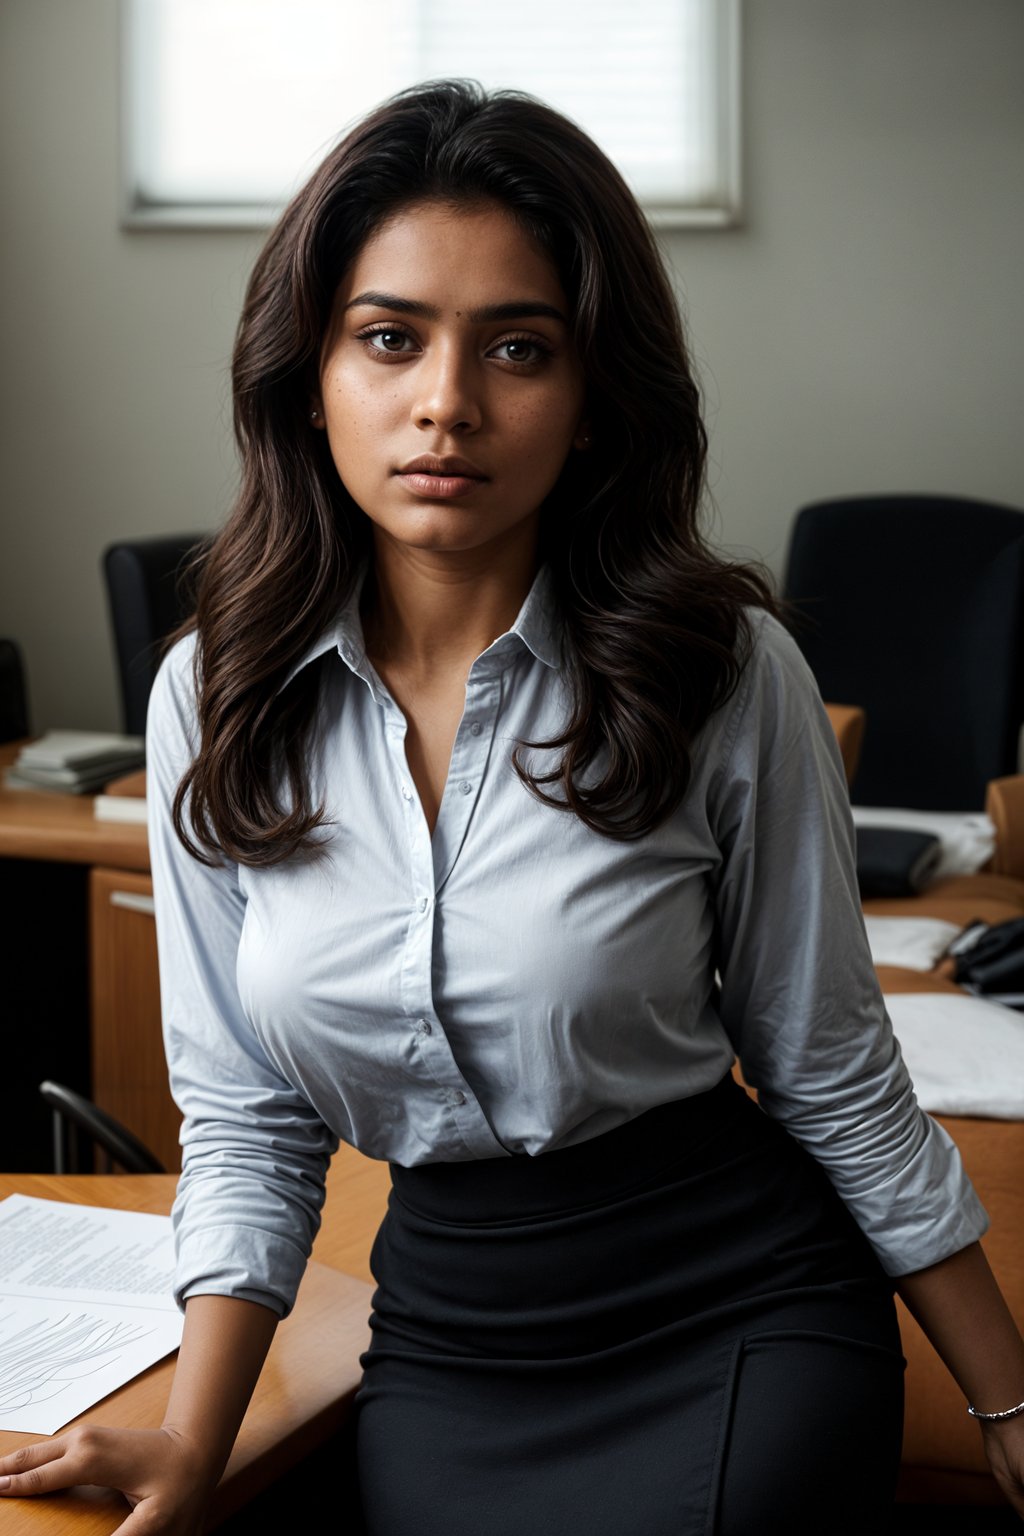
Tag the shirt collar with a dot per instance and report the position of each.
(344, 634)
(539, 623)
(538, 626)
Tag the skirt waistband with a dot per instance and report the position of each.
(605, 1168)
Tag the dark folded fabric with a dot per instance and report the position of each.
(892, 861)
(990, 959)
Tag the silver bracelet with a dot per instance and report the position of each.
(995, 1418)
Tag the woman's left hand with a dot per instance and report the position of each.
(1004, 1447)
(166, 1481)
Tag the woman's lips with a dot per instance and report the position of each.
(439, 487)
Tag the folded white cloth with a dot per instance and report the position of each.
(916, 943)
(964, 1054)
(968, 838)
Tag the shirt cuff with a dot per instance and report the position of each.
(238, 1261)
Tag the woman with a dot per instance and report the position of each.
(493, 818)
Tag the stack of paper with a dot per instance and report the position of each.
(76, 762)
(85, 1305)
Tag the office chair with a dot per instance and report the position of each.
(147, 597)
(13, 693)
(76, 1119)
(912, 608)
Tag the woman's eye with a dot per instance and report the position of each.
(386, 340)
(521, 349)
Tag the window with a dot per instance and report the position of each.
(229, 104)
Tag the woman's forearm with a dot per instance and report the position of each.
(223, 1347)
(962, 1311)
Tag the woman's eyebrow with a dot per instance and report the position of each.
(515, 309)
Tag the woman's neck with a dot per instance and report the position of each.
(423, 614)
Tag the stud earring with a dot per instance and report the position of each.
(314, 415)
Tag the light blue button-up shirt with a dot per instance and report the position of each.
(517, 982)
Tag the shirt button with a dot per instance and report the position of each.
(466, 787)
(422, 1027)
(475, 728)
(456, 1096)
(423, 903)
(406, 792)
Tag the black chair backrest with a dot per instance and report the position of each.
(913, 608)
(147, 600)
(13, 693)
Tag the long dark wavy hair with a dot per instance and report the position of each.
(654, 619)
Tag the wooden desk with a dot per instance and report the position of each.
(305, 1391)
(36, 824)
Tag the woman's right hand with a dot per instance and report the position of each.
(166, 1474)
(1004, 1447)
(163, 1478)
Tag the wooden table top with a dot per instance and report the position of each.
(41, 824)
(306, 1388)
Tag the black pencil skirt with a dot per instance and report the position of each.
(674, 1329)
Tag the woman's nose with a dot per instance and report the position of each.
(448, 391)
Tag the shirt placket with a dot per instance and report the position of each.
(430, 861)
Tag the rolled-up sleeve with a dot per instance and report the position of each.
(800, 998)
(254, 1153)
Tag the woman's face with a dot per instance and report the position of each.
(450, 389)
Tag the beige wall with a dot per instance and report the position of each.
(862, 331)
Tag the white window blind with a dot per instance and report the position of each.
(229, 104)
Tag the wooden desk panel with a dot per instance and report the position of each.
(37, 824)
(303, 1397)
(129, 1068)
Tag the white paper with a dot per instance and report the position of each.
(913, 943)
(965, 1054)
(85, 1305)
(120, 808)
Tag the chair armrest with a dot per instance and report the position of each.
(848, 724)
(116, 1140)
(1004, 805)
